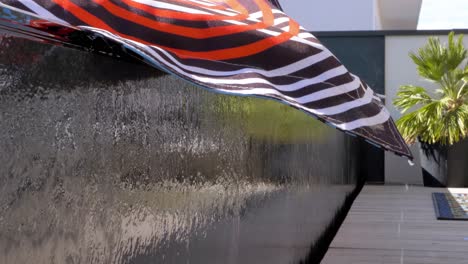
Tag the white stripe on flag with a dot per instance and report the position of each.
(288, 69)
(292, 86)
(163, 5)
(378, 119)
(202, 3)
(329, 92)
(337, 109)
(43, 13)
(277, 33)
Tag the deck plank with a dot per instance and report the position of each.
(397, 225)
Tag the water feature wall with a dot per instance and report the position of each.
(108, 161)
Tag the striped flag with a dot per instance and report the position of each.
(240, 47)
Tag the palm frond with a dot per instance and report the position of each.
(409, 96)
(441, 119)
(434, 59)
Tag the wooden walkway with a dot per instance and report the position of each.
(397, 225)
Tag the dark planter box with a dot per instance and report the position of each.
(445, 166)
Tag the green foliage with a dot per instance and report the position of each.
(441, 117)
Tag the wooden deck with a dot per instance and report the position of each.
(397, 225)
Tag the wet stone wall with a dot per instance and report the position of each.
(108, 161)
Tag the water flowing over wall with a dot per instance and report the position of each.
(107, 161)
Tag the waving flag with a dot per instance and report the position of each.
(241, 47)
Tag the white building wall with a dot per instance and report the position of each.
(400, 70)
(333, 15)
(377, 16)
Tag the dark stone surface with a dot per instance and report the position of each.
(445, 166)
(105, 161)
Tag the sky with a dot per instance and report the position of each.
(443, 14)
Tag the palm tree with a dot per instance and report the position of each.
(441, 117)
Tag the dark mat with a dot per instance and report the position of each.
(451, 206)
